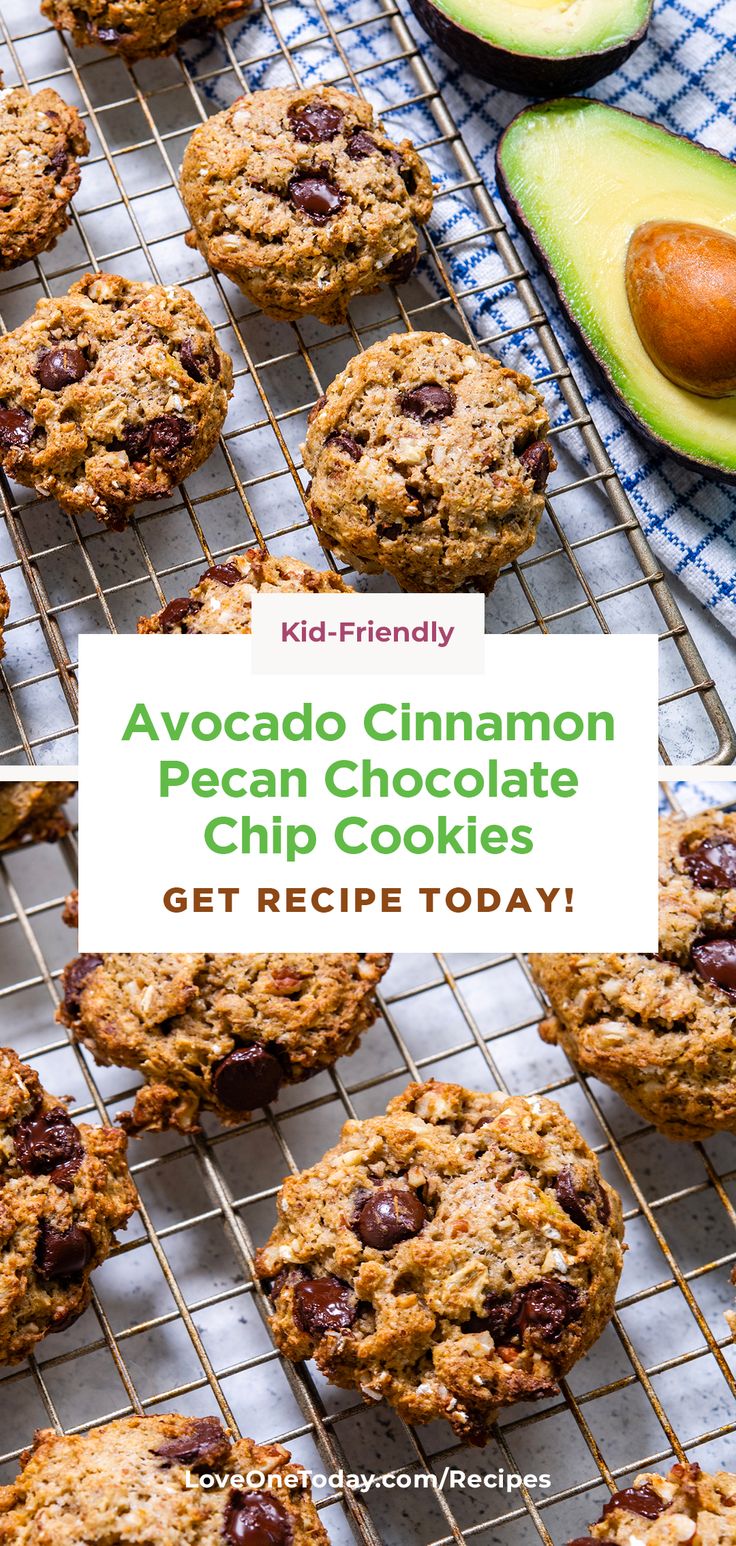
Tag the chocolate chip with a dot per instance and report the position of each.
(63, 1253)
(715, 962)
(168, 434)
(74, 976)
(580, 1203)
(48, 1144)
(59, 162)
(201, 362)
(428, 403)
(324, 1304)
(389, 531)
(390, 1215)
(176, 611)
(66, 1321)
(286, 1278)
(205, 1443)
(637, 1500)
(16, 428)
(256, 1519)
(345, 443)
(712, 865)
(403, 266)
(227, 574)
(317, 197)
(61, 367)
(136, 439)
(315, 122)
(360, 146)
(545, 1308)
(536, 462)
(496, 1318)
(249, 1076)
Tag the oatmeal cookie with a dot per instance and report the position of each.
(220, 601)
(65, 1189)
(127, 1482)
(661, 1030)
(31, 813)
(686, 1506)
(4, 614)
(111, 395)
(428, 460)
(140, 29)
(455, 1255)
(218, 1032)
(41, 137)
(301, 198)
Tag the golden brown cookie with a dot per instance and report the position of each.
(453, 1256)
(301, 198)
(220, 602)
(41, 138)
(32, 812)
(428, 460)
(661, 1030)
(111, 395)
(685, 1508)
(140, 29)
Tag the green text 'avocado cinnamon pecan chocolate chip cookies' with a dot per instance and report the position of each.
(40, 140)
(220, 602)
(661, 1030)
(219, 1033)
(455, 1255)
(65, 1189)
(32, 813)
(127, 1482)
(140, 29)
(300, 197)
(111, 395)
(428, 460)
(685, 1508)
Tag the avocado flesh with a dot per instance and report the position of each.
(549, 27)
(580, 177)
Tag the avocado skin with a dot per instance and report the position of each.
(600, 370)
(530, 75)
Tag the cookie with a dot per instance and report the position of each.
(301, 198)
(135, 1480)
(428, 460)
(218, 1033)
(453, 1256)
(221, 599)
(686, 1506)
(65, 1190)
(4, 614)
(32, 813)
(41, 137)
(661, 1030)
(110, 395)
(140, 29)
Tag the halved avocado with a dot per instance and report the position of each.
(579, 178)
(536, 47)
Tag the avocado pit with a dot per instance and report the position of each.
(681, 289)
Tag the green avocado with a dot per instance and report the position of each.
(537, 47)
(579, 177)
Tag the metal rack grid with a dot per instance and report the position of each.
(179, 1324)
(591, 568)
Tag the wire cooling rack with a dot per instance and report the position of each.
(179, 1324)
(591, 568)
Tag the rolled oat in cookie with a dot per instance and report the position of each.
(428, 460)
(219, 1033)
(65, 1190)
(41, 139)
(220, 602)
(31, 812)
(661, 1030)
(111, 395)
(687, 1507)
(140, 29)
(135, 1480)
(301, 198)
(452, 1256)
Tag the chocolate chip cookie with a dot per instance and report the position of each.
(220, 602)
(128, 1482)
(65, 1189)
(221, 1033)
(32, 813)
(685, 1508)
(4, 614)
(428, 460)
(111, 395)
(41, 137)
(140, 29)
(455, 1255)
(661, 1030)
(301, 198)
